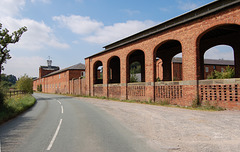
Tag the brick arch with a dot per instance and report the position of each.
(113, 69)
(96, 73)
(165, 51)
(133, 56)
(222, 34)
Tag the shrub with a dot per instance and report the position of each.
(2, 97)
(196, 102)
(25, 83)
(227, 73)
(39, 88)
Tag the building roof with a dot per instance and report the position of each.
(200, 12)
(208, 61)
(49, 67)
(78, 66)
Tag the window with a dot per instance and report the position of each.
(214, 67)
(206, 69)
(59, 76)
(83, 74)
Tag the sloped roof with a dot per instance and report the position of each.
(208, 61)
(78, 66)
(195, 14)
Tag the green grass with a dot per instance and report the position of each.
(14, 106)
(165, 103)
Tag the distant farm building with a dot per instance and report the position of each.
(53, 80)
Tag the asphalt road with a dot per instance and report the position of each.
(64, 124)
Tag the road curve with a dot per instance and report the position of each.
(65, 124)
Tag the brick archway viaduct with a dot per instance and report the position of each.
(190, 34)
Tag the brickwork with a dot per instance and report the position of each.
(57, 83)
(192, 38)
(114, 91)
(223, 93)
(136, 91)
(98, 90)
(78, 86)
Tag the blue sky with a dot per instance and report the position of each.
(70, 30)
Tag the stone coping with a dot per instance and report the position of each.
(219, 81)
(164, 83)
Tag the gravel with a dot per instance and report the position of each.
(175, 129)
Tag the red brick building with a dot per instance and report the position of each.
(192, 34)
(54, 80)
(209, 66)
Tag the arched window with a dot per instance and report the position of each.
(114, 70)
(98, 73)
(165, 63)
(218, 48)
(136, 66)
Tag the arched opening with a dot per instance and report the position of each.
(177, 67)
(219, 40)
(98, 73)
(114, 70)
(218, 58)
(164, 63)
(136, 67)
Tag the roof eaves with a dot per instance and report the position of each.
(207, 9)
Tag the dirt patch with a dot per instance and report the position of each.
(175, 129)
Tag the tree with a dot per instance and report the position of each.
(7, 81)
(5, 40)
(25, 83)
(12, 79)
(133, 76)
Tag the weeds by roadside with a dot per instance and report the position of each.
(14, 106)
(205, 105)
(196, 105)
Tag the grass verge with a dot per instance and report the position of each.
(14, 106)
(165, 103)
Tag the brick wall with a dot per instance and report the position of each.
(78, 86)
(223, 93)
(189, 39)
(57, 83)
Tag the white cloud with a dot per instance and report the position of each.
(220, 52)
(95, 32)
(131, 12)
(38, 36)
(19, 66)
(118, 31)
(43, 1)
(187, 5)
(79, 24)
(11, 7)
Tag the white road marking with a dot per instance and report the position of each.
(59, 102)
(55, 135)
(62, 108)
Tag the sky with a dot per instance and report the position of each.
(68, 31)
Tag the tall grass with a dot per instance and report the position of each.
(14, 106)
